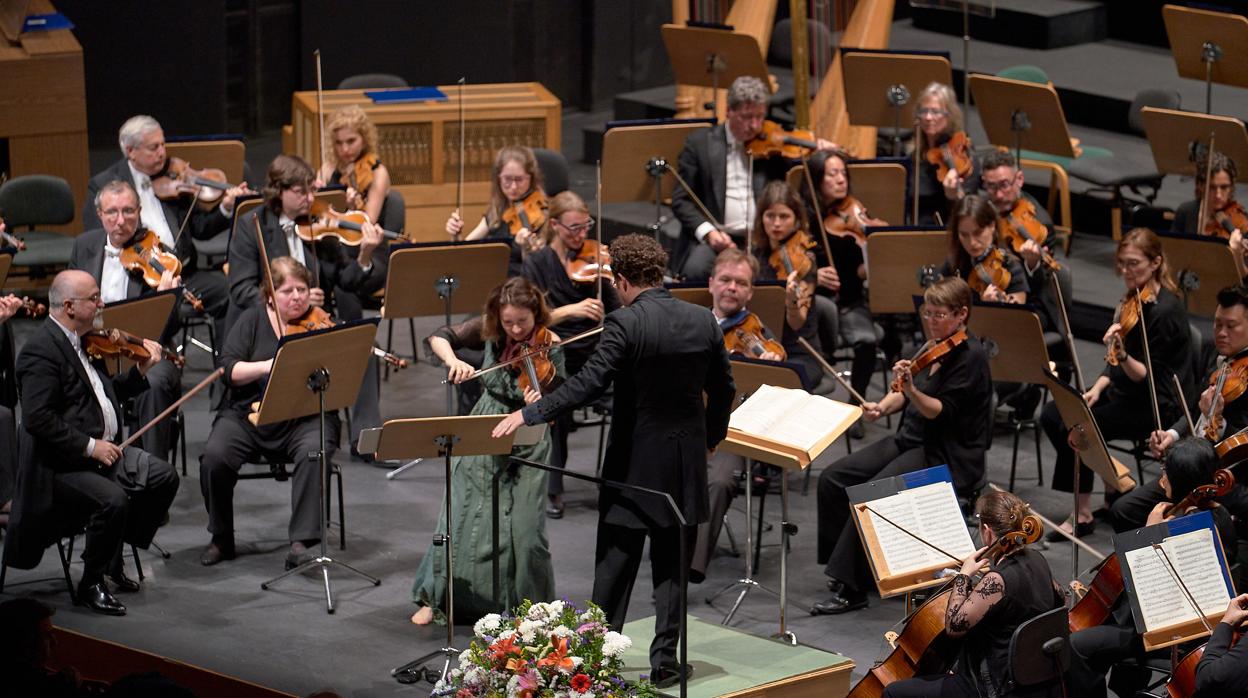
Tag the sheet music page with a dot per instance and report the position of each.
(1162, 603)
(792, 417)
(930, 511)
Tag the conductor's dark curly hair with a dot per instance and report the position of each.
(638, 258)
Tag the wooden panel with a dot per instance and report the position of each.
(228, 156)
(869, 27)
(63, 155)
(43, 94)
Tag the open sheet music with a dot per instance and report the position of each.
(930, 511)
(794, 419)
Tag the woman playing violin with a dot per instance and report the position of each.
(575, 307)
(1219, 197)
(993, 273)
(944, 408)
(782, 246)
(351, 142)
(845, 275)
(1120, 398)
(947, 170)
(1189, 464)
(1015, 587)
(247, 357)
(513, 313)
(517, 208)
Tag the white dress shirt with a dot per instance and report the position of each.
(114, 281)
(293, 242)
(738, 199)
(106, 405)
(151, 212)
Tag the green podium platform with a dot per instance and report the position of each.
(728, 662)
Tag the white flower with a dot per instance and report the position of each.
(488, 624)
(506, 634)
(538, 611)
(614, 644)
(528, 630)
(465, 657)
(562, 631)
(555, 608)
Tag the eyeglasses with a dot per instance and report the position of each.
(93, 298)
(128, 211)
(929, 112)
(1130, 263)
(578, 228)
(512, 179)
(937, 315)
(998, 186)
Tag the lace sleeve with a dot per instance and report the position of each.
(466, 334)
(968, 606)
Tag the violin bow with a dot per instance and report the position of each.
(1203, 217)
(694, 198)
(749, 203)
(867, 507)
(1187, 413)
(268, 277)
(598, 231)
(1069, 336)
(220, 371)
(814, 200)
(459, 184)
(320, 111)
(1148, 363)
(574, 338)
(827, 368)
(1174, 573)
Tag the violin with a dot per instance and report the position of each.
(1127, 314)
(750, 338)
(1182, 683)
(1021, 225)
(316, 318)
(536, 370)
(323, 221)
(1233, 449)
(119, 344)
(148, 256)
(591, 261)
(791, 256)
(32, 309)
(207, 185)
(774, 140)
(9, 240)
(1230, 382)
(849, 219)
(923, 647)
(1227, 220)
(361, 177)
(989, 270)
(931, 353)
(529, 213)
(953, 154)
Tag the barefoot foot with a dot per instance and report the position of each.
(424, 616)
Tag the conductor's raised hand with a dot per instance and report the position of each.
(509, 425)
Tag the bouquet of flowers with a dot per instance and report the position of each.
(543, 650)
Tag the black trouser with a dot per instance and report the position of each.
(937, 686)
(1096, 650)
(234, 441)
(722, 489)
(617, 558)
(120, 509)
(165, 381)
(8, 447)
(1117, 419)
(838, 544)
(562, 427)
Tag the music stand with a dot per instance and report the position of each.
(443, 437)
(635, 158)
(1203, 265)
(747, 375)
(331, 364)
(1021, 114)
(767, 302)
(1092, 451)
(905, 260)
(879, 86)
(146, 316)
(876, 183)
(1208, 46)
(1173, 136)
(441, 279)
(1014, 340)
(6, 263)
(712, 57)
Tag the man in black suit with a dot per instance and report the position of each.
(97, 252)
(717, 168)
(661, 354)
(144, 158)
(71, 415)
(342, 274)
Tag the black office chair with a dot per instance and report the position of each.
(1040, 653)
(276, 469)
(30, 201)
(554, 169)
(370, 81)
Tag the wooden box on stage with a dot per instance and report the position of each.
(43, 107)
(419, 143)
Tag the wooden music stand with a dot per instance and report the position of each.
(1208, 46)
(1077, 416)
(227, 155)
(6, 263)
(330, 364)
(1203, 265)
(767, 302)
(1173, 135)
(146, 316)
(1022, 115)
(880, 86)
(441, 279)
(879, 184)
(712, 57)
(1014, 340)
(443, 437)
(897, 260)
(635, 158)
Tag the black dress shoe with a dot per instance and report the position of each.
(122, 583)
(215, 553)
(97, 598)
(835, 604)
(294, 558)
(1083, 528)
(835, 586)
(668, 676)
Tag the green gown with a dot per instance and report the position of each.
(525, 570)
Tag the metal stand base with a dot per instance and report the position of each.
(323, 562)
(448, 654)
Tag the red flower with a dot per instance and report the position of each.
(581, 683)
(558, 657)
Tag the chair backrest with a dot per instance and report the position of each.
(780, 50)
(393, 212)
(33, 200)
(1026, 73)
(1161, 99)
(554, 169)
(1034, 656)
(370, 81)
